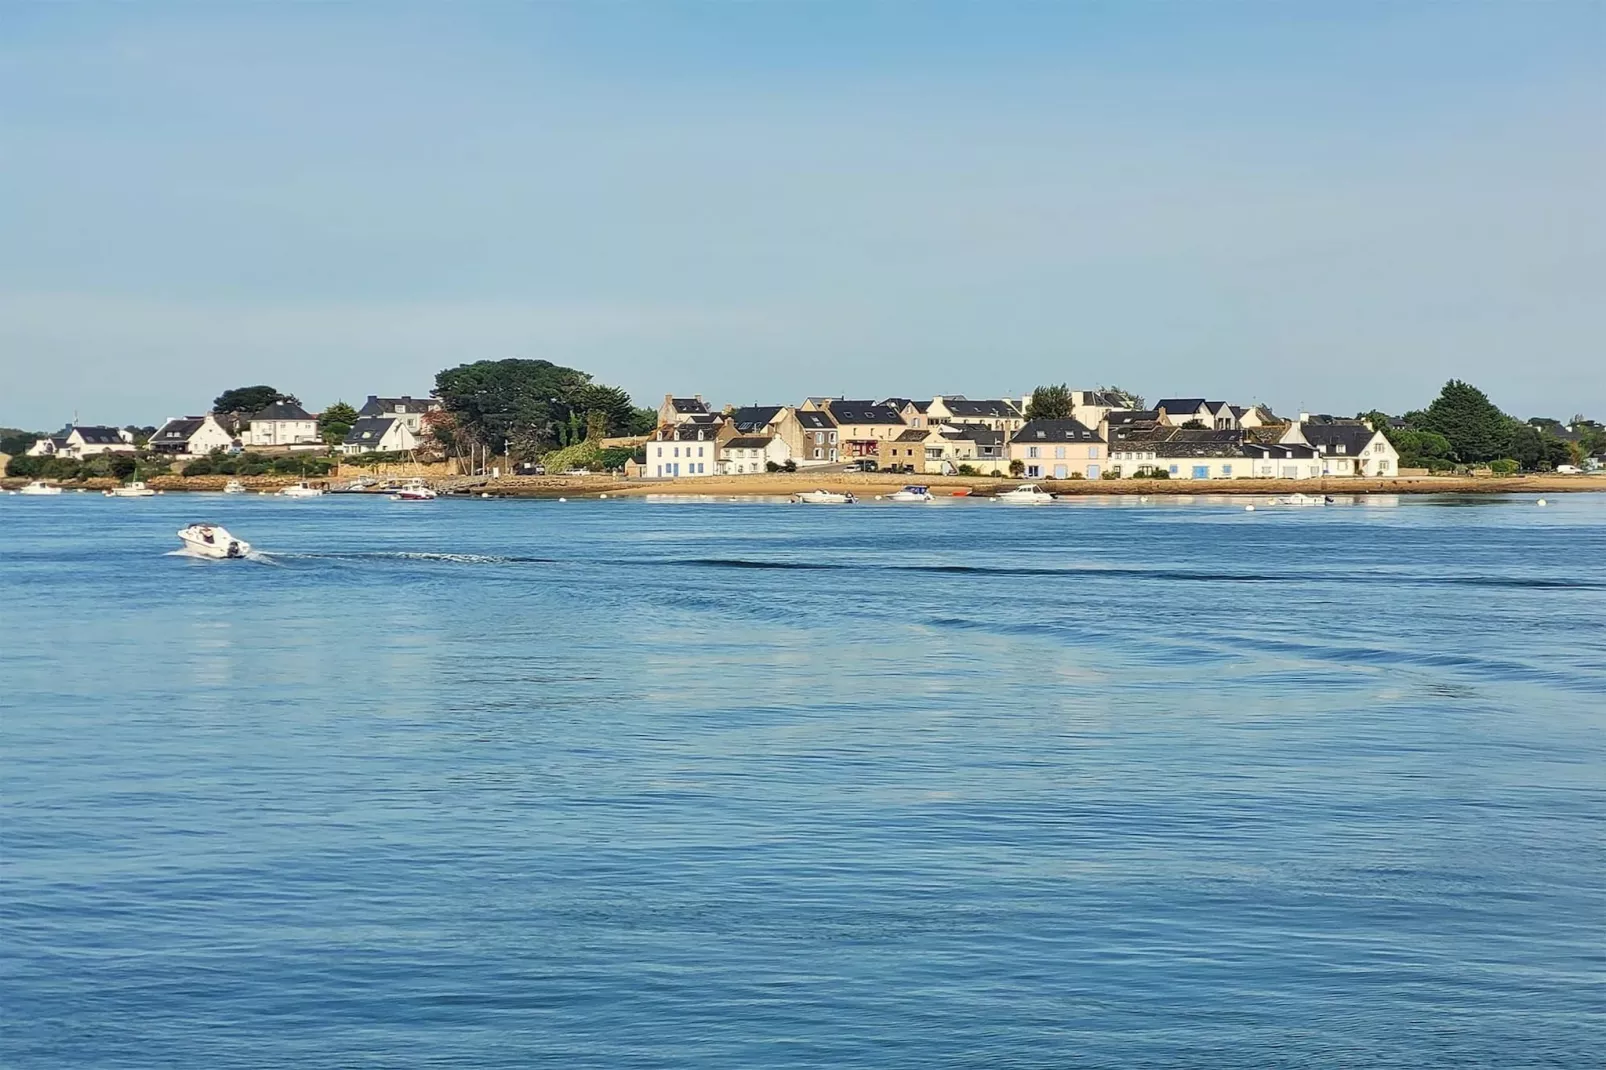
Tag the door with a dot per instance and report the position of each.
(1092, 471)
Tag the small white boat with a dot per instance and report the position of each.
(414, 490)
(1302, 499)
(234, 486)
(210, 540)
(1026, 492)
(301, 490)
(911, 493)
(824, 497)
(136, 489)
(39, 486)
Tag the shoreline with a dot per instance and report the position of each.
(870, 484)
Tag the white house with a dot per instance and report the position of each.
(748, 454)
(190, 436)
(379, 434)
(998, 414)
(1282, 461)
(284, 423)
(684, 450)
(1347, 448)
(408, 410)
(1058, 449)
(675, 411)
(84, 441)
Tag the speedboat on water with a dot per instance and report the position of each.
(39, 486)
(301, 490)
(136, 489)
(414, 490)
(824, 497)
(234, 486)
(1302, 499)
(1026, 492)
(911, 493)
(210, 540)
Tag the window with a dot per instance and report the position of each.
(1031, 451)
(1034, 471)
(833, 438)
(1092, 471)
(677, 451)
(1173, 469)
(1382, 466)
(1092, 453)
(817, 454)
(699, 451)
(1059, 453)
(1226, 469)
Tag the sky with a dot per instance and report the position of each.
(1327, 207)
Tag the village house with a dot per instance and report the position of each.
(951, 446)
(1216, 415)
(810, 435)
(906, 453)
(1181, 453)
(380, 434)
(285, 424)
(1090, 407)
(409, 411)
(84, 441)
(747, 454)
(675, 411)
(1272, 460)
(1057, 449)
(1346, 447)
(1255, 416)
(190, 436)
(997, 414)
(862, 426)
(913, 412)
(690, 449)
(754, 419)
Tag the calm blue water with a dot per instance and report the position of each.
(635, 784)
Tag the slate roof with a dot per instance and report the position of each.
(815, 420)
(177, 432)
(1328, 438)
(1179, 406)
(981, 436)
(750, 442)
(753, 417)
(368, 430)
(1056, 431)
(1131, 416)
(914, 434)
(282, 410)
(1103, 399)
(690, 432)
(1183, 442)
(1283, 450)
(995, 409)
(863, 412)
(99, 436)
(688, 405)
(378, 406)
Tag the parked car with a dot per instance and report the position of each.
(1568, 470)
(865, 465)
(525, 468)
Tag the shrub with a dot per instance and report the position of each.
(1076, 475)
(1505, 466)
(201, 466)
(616, 457)
(789, 466)
(587, 454)
(1017, 468)
(968, 470)
(25, 467)
(771, 466)
(1109, 475)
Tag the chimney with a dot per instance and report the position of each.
(1304, 417)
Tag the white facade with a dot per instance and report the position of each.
(84, 441)
(746, 456)
(282, 425)
(379, 435)
(191, 436)
(675, 459)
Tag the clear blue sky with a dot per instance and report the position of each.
(1321, 206)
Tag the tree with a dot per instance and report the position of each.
(334, 422)
(1195, 424)
(249, 399)
(1536, 449)
(1376, 419)
(1477, 429)
(527, 407)
(1420, 449)
(1050, 403)
(14, 441)
(123, 465)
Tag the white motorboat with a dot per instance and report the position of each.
(1302, 499)
(136, 489)
(210, 540)
(39, 486)
(824, 497)
(1026, 492)
(414, 490)
(911, 493)
(234, 486)
(301, 490)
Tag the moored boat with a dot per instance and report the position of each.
(39, 486)
(136, 489)
(414, 490)
(212, 540)
(234, 486)
(824, 497)
(301, 490)
(1030, 493)
(1302, 499)
(911, 493)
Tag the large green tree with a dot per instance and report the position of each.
(335, 422)
(527, 407)
(14, 441)
(1477, 429)
(1050, 403)
(249, 399)
(1536, 449)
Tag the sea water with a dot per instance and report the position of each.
(715, 784)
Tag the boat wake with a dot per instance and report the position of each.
(256, 556)
(419, 555)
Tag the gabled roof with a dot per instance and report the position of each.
(704, 418)
(903, 403)
(282, 410)
(99, 436)
(863, 412)
(690, 432)
(814, 419)
(1183, 442)
(750, 442)
(995, 409)
(981, 436)
(1283, 450)
(1106, 399)
(378, 406)
(1328, 438)
(688, 405)
(753, 417)
(914, 434)
(1055, 431)
(1178, 406)
(1131, 416)
(368, 430)
(178, 430)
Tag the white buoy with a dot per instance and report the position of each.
(604, 497)
(1249, 508)
(484, 495)
(563, 499)
(1543, 502)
